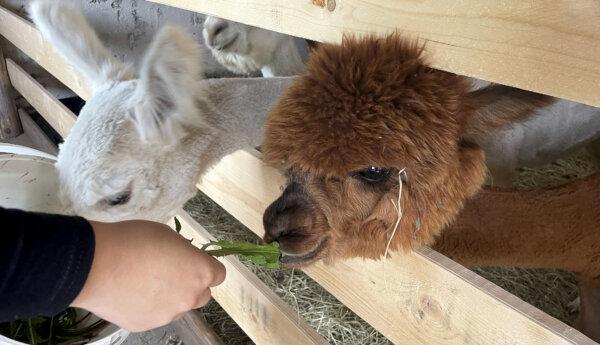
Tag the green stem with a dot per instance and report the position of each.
(16, 334)
(51, 331)
(248, 252)
(31, 337)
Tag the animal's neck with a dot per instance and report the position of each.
(288, 59)
(236, 109)
(541, 228)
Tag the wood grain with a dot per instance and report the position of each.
(25, 36)
(421, 298)
(10, 124)
(193, 330)
(252, 305)
(51, 109)
(551, 47)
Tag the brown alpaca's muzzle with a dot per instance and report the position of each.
(292, 221)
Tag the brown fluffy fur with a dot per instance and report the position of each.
(373, 102)
(553, 227)
(539, 228)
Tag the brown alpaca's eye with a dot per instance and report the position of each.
(373, 174)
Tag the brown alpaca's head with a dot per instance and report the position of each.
(362, 113)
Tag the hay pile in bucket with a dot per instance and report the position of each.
(550, 290)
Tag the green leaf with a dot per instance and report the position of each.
(177, 225)
(266, 255)
(64, 328)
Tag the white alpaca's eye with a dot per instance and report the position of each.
(119, 199)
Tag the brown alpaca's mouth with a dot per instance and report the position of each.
(290, 259)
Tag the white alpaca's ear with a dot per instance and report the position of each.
(169, 79)
(63, 25)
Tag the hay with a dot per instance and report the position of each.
(580, 164)
(322, 311)
(550, 290)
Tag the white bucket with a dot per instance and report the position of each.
(28, 181)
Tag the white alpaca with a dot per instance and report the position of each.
(549, 134)
(245, 49)
(140, 144)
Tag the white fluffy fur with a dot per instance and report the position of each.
(169, 80)
(63, 25)
(104, 156)
(245, 49)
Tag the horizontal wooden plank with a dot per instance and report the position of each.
(421, 298)
(51, 109)
(551, 47)
(252, 305)
(25, 36)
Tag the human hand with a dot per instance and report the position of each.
(144, 275)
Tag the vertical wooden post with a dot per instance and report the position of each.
(10, 125)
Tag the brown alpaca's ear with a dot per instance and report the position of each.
(496, 106)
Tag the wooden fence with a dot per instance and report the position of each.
(421, 298)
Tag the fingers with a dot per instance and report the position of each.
(203, 299)
(219, 273)
(209, 268)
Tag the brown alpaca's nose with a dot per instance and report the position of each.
(288, 220)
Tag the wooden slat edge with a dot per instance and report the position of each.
(25, 36)
(508, 42)
(263, 315)
(421, 298)
(192, 329)
(454, 292)
(51, 109)
(38, 138)
(10, 124)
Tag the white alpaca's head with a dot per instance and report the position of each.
(246, 49)
(122, 151)
(141, 142)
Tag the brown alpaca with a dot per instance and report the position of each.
(539, 228)
(372, 102)
(369, 109)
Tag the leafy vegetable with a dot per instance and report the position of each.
(267, 255)
(262, 254)
(64, 328)
(177, 225)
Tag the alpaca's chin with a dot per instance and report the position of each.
(304, 259)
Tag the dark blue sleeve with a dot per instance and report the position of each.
(44, 262)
